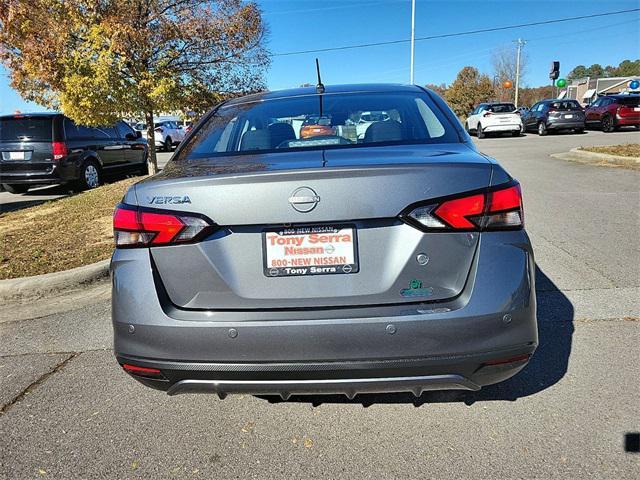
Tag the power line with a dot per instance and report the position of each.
(456, 34)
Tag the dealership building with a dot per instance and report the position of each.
(587, 89)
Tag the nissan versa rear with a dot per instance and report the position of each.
(379, 253)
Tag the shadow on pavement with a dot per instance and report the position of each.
(547, 366)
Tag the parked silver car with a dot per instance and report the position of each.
(258, 261)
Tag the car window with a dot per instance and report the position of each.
(501, 108)
(295, 123)
(29, 129)
(80, 132)
(124, 130)
(565, 105)
(630, 101)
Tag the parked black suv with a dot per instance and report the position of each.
(558, 114)
(46, 148)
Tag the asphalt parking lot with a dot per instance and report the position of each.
(69, 412)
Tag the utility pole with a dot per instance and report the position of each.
(521, 44)
(413, 34)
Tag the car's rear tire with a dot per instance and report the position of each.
(579, 130)
(516, 133)
(168, 143)
(90, 175)
(480, 132)
(607, 124)
(16, 189)
(542, 129)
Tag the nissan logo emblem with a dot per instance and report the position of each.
(304, 199)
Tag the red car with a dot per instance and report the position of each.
(614, 111)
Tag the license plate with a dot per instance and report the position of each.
(636, 109)
(16, 155)
(568, 116)
(310, 250)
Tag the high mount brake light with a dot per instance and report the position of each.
(135, 227)
(496, 209)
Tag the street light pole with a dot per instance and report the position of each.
(520, 45)
(413, 31)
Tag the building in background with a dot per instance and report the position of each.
(587, 89)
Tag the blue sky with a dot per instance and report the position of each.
(311, 24)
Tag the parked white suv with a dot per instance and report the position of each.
(494, 118)
(167, 133)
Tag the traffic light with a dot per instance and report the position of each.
(554, 73)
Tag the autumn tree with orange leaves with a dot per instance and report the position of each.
(98, 60)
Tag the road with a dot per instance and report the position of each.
(69, 412)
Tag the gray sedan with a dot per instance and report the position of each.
(270, 257)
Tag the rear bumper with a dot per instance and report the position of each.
(465, 343)
(627, 121)
(30, 178)
(16, 173)
(462, 372)
(509, 127)
(565, 124)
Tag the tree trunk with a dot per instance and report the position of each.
(151, 142)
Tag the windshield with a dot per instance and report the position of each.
(25, 129)
(296, 123)
(502, 108)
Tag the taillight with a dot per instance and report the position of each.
(143, 371)
(495, 209)
(59, 150)
(137, 227)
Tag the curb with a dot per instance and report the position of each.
(49, 283)
(583, 156)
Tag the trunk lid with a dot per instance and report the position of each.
(362, 190)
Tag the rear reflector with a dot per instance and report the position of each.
(136, 227)
(59, 150)
(142, 371)
(496, 209)
(503, 361)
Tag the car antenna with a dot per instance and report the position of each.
(319, 86)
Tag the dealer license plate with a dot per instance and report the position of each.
(310, 250)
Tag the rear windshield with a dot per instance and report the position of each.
(502, 108)
(566, 105)
(26, 129)
(320, 122)
(629, 101)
